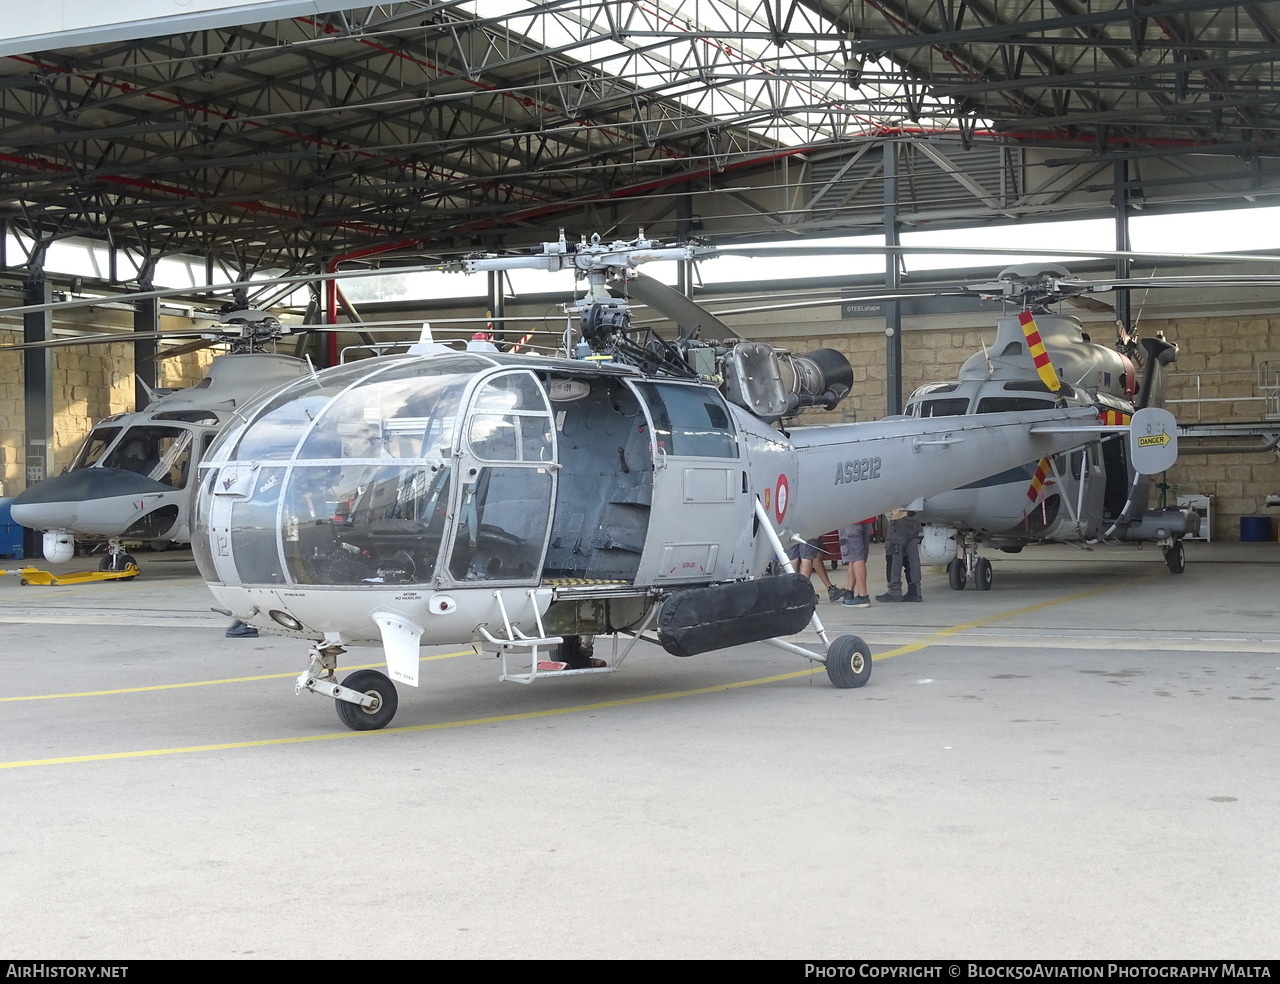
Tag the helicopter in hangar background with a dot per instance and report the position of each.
(132, 476)
(526, 505)
(1090, 494)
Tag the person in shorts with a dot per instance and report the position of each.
(855, 548)
(808, 558)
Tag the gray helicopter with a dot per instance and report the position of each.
(633, 487)
(1087, 495)
(131, 478)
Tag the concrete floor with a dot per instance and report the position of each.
(1081, 762)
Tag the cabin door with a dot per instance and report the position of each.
(701, 512)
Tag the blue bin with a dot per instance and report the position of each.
(1256, 529)
(10, 532)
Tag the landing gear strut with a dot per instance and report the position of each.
(366, 700)
(117, 560)
(969, 566)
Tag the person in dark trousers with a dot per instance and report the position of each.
(902, 557)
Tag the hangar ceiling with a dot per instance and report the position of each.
(424, 126)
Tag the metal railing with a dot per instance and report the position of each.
(1266, 392)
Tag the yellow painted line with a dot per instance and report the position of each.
(533, 715)
(956, 629)
(214, 683)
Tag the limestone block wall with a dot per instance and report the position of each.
(1217, 379)
(90, 382)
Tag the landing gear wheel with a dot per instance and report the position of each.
(117, 562)
(849, 662)
(982, 575)
(1174, 558)
(573, 652)
(956, 575)
(377, 685)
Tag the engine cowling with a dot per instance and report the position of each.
(772, 383)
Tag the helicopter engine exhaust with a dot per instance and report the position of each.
(698, 620)
(773, 384)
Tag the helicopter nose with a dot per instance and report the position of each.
(56, 502)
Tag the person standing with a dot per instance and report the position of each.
(902, 557)
(808, 558)
(855, 547)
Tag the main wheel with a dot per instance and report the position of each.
(574, 652)
(377, 685)
(982, 575)
(849, 662)
(1175, 559)
(115, 563)
(956, 575)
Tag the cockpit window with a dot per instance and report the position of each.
(690, 420)
(402, 410)
(510, 420)
(363, 524)
(161, 453)
(943, 408)
(98, 441)
(404, 414)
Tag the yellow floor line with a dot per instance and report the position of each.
(214, 683)
(526, 715)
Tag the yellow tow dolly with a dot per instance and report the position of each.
(33, 575)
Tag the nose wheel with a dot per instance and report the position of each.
(961, 569)
(115, 562)
(377, 700)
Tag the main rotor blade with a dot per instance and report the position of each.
(1132, 283)
(686, 313)
(123, 337)
(1087, 303)
(188, 347)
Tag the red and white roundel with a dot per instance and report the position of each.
(781, 498)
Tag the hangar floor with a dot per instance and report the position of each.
(1081, 762)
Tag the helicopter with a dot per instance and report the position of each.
(1089, 494)
(631, 486)
(131, 477)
